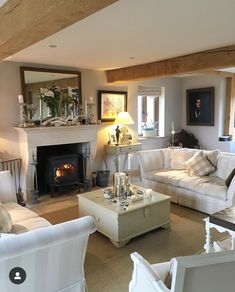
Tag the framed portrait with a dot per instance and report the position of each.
(200, 106)
(110, 103)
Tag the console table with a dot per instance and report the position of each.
(222, 221)
(118, 150)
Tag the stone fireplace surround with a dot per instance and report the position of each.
(31, 138)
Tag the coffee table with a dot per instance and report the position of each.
(222, 221)
(120, 223)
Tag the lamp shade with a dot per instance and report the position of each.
(123, 118)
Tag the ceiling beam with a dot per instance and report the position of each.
(25, 22)
(206, 60)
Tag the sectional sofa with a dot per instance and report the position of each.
(188, 181)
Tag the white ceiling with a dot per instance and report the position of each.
(131, 32)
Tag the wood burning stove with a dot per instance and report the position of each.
(61, 166)
(63, 170)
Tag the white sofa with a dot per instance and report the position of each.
(22, 218)
(52, 256)
(164, 170)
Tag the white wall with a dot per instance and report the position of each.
(207, 135)
(92, 81)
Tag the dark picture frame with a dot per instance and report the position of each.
(200, 106)
(110, 103)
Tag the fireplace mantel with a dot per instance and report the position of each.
(31, 138)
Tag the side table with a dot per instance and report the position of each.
(222, 221)
(117, 151)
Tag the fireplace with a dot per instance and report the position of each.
(61, 166)
(34, 140)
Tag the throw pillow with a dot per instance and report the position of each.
(179, 156)
(5, 220)
(199, 165)
(229, 178)
(212, 156)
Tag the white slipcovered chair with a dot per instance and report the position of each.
(198, 273)
(52, 257)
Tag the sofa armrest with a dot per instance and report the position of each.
(231, 192)
(150, 160)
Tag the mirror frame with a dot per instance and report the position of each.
(46, 70)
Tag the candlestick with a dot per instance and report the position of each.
(129, 161)
(21, 98)
(85, 107)
(40, 110)
(172, 128)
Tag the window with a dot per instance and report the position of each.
(151, 108)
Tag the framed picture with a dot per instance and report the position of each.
(112, 139)
(200, 106)
(110, 103)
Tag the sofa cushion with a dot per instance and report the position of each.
(199, 165)
(5, 220)
(179, 156)
(226, 163)
(205, 185)
(212, 156)
(167, 176)
(18, 213)
(29, 224)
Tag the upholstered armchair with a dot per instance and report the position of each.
(210, 273)
(52, 257)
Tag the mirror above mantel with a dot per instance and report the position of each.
(35, 80)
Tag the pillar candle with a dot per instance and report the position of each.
(21, 98)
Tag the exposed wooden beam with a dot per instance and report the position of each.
(206, 60)
(229, 106)
(25, 22)
(216, 73)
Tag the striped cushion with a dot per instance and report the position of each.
(5, 220)
(199, 165)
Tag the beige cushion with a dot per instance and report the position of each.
(5, 220)
(179, 156)
(29, 224)
(212, 156)
(18, 213)
(199, 165)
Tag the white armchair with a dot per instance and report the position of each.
(210, 272)
(52, 257)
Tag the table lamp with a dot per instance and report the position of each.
(123, 118)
